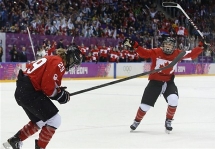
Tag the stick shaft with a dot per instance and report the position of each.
(178, 58)
(176, 5)
(32, 46)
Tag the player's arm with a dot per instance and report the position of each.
(144, 53)
(203, 45)
(52, 49)
(190, 55)
(51, 82)
(62, 95)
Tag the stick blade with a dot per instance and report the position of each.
(169, 4)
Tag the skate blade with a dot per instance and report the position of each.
(131, 130)
(7, 145)
(167, 131)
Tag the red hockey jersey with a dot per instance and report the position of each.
(46, 74)
(160, 59)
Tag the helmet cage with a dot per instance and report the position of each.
(167, 43)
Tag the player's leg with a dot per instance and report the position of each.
(48, 130)
(43, 115)
(24, 94)
(143, 108)
(171, 96)
(38, 107)
(150, 95)
(29, 129)
(49, 121)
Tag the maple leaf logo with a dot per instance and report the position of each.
(165, 71)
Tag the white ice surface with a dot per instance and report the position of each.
(101, 118)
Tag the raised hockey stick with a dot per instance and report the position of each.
(32, 46)
(178, 58)
(176, 5)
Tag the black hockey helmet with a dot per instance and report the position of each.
(73, 57)
(169, 45)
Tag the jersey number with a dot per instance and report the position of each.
(61, 66)
(36, 64)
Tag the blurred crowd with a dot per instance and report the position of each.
(141, 20)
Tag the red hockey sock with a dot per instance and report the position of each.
(170, 112)
(28, 130)
(45, 136)
(140, 115)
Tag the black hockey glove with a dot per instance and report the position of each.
(62, 96)
(204, 43)
(130, 43)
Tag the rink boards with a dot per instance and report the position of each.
(9, 71)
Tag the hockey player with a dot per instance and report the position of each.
(36, 87)
(160, 82)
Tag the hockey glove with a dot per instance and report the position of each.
(204, 43)
(130, 43)
(62, 96)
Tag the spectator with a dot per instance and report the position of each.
(23, 55)
(95, 54)
(131, 56)
(88, 58)
(114, 55)
(14, 54)
(112, 19)
(124, 54)
(60, 44)
(103, 54)
(40, 52)
(50, 49)
(1, 53)
(87, 33)
(84, 51)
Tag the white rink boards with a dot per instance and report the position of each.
(101, 118)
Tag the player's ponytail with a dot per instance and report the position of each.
(62, 53)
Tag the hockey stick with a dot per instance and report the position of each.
(72, 40)
(32, 46)
(176, 5)
(178, 58)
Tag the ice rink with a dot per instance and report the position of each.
(101, 118)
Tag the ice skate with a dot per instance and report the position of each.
(168, 126)
(13, 142)
(134, 125)
(36, 146)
